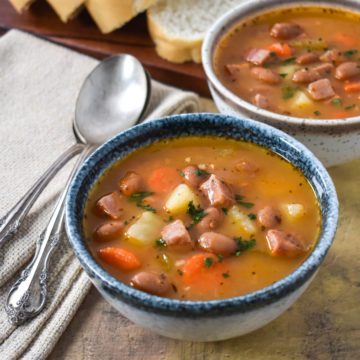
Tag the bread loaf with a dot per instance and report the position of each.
(21, 5)
(66, 9)
(178, 27)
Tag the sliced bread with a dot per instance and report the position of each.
(112, 14)
(178, 27)
(21, 5)
(66, 9)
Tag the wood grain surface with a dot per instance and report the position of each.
(324, 324)
(82, 34)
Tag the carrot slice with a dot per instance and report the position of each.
(344, 39)
(120, 258)
(164, 179)
(283, 50)
(203, 272)
(352, 87)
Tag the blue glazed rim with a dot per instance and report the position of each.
(201, 124)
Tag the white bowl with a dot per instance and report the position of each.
(334, 141)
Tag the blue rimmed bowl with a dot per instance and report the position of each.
(202, 320)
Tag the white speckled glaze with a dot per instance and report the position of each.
(333, 141)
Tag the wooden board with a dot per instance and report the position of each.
(83, 35)
(324, 324)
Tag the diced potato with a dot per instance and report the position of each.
(179, 199)
(146, 229)
(288, 69)
(301, 101)
(293, 211)
(239, 223)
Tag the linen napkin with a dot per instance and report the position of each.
(39, 83)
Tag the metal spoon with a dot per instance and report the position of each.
(113, 97)
(117, 90)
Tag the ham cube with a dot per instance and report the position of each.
(176, 234)
(281, 243)
(258, 56)
(218, 192)
(321, 89)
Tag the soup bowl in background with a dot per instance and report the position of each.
(214, 319)
(333, 141)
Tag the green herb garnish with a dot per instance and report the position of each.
(289, 61)
(336, 102)
(196, 213)
(179, 272)
(226, 275)
(200, 172)
(350, 107)
(239, 199)
(317, 113)
(225, 210)
(350, 53)
(138, 198)
(288, 92)
(243, 245)
(252, 216)
(283, 75)
(160, 243)
(220, 257)
(181, 173)
(208, 262)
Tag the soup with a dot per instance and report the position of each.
(200, 218)
(302, 62)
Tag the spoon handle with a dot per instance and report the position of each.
(10, 223)
(27, 296)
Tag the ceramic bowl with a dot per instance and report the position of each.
(201, 320)
(333, 141)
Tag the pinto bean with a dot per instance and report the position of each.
(321, 89)
(110, 205)
(212, 220)
(285, 31)
(323, 69)
(269, 217)
(281, 243)
(175, 234)
(156, 284)
(347, 70)
(217, 243)
(109, 231)
(131, 183)
(307, 58)
(304, 76)
(261, 101)
(258, 56)
(266, 75)
(218, 192)
(193, 176)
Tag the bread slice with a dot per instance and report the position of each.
(21, 5)
(178, 27)
(66, 9)
(112, 14)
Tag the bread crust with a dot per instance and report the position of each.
(66, 9)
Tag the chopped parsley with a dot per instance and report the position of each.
(225, 210)
(336, 102)
(139, 197)
(350, 53)
(350, 107)
(160, 243)
(283, 75)
(317, 113)
(180, 272)
(239, 199)
(252, 216)
(243, 245)
(288, 92)
(196, 213)
(200, 172)
(226, 275)
(289, 61)
(208, 262)
(220, 257)
(181, 173)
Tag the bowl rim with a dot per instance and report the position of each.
(209, 308)
(247, 10)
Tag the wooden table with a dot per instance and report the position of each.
(324, 324)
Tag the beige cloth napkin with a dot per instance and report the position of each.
(39, 83)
